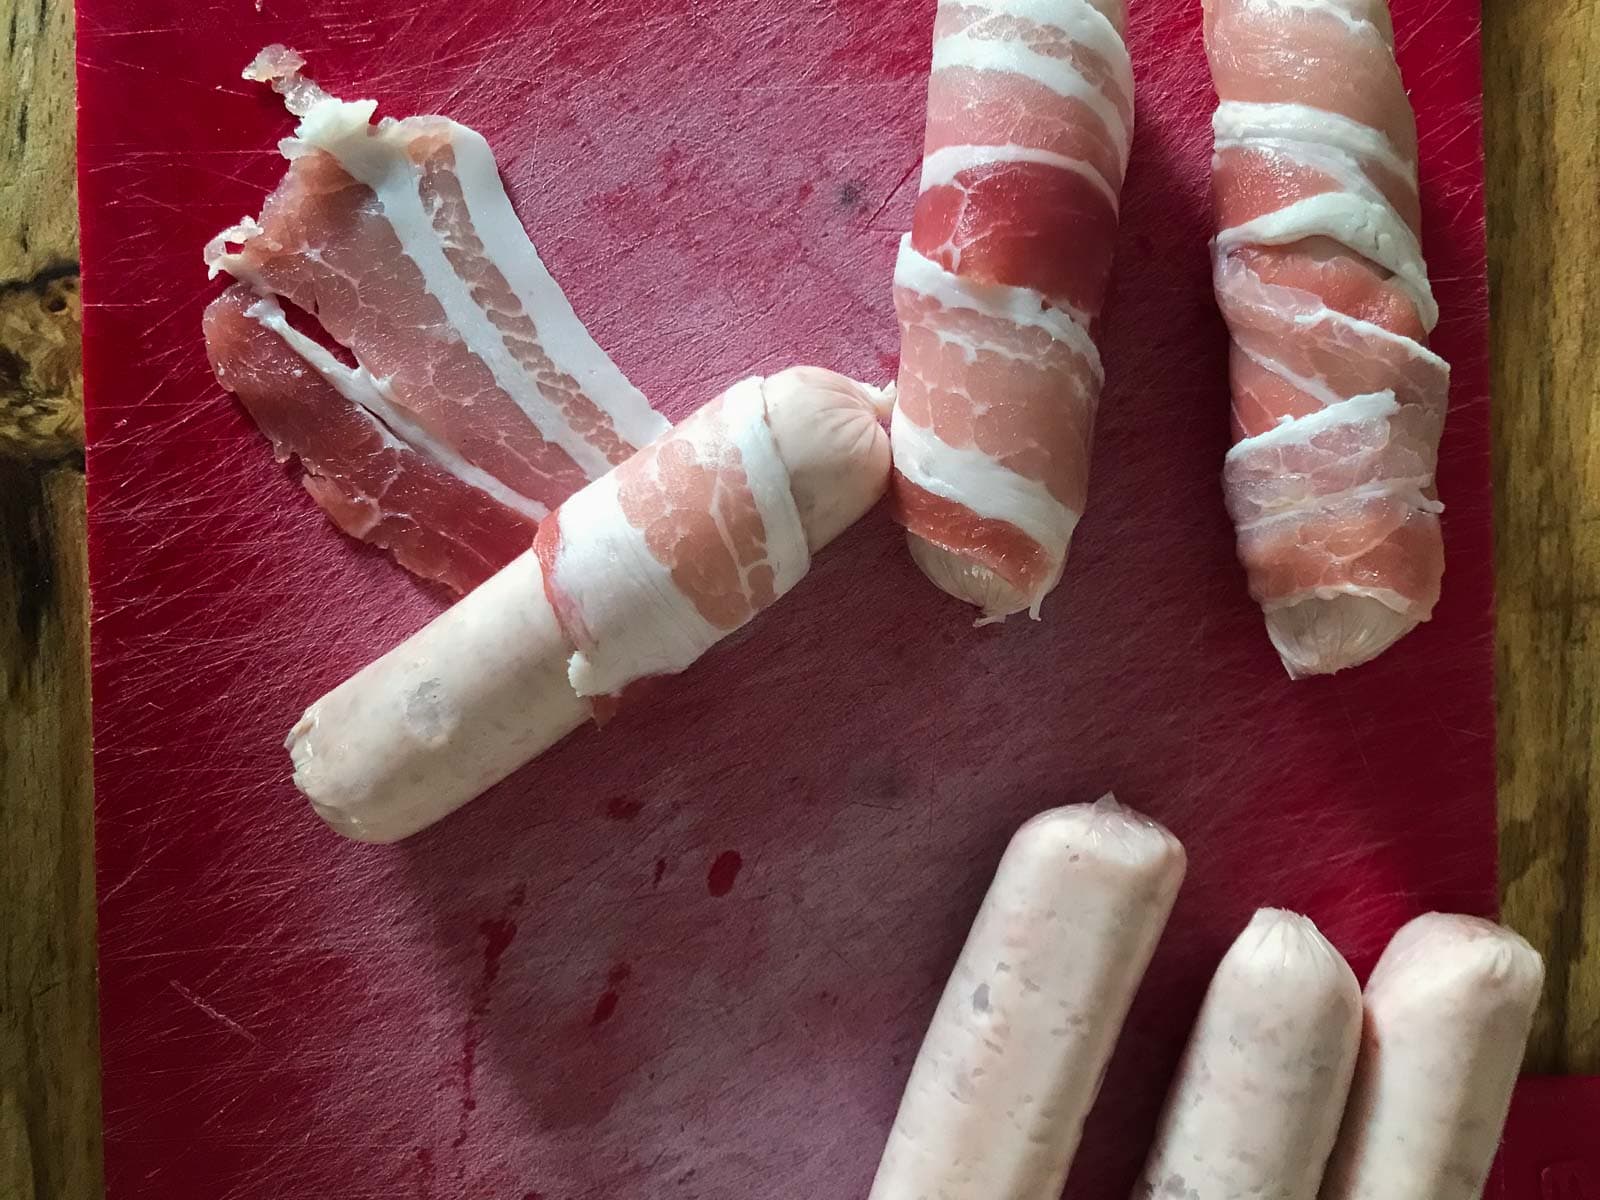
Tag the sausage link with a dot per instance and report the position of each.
(1015, 1054)
(1448, 1010)
(1255, 1109)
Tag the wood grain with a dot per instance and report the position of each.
(1542, 72)
(49, 1055)
(38, 182)
(1542, 79)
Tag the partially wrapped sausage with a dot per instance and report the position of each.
(1256, 1105)
(636, 575)
(1019, 1043)
(1448, 1009)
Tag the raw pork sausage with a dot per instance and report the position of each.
(1021, 1038)
(1448, 1010)
(999, 287)
(1338, 404)
(1255, 1109)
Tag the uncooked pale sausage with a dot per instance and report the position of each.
(1448, 1010)
(1256, 1105)
(1020, 1040)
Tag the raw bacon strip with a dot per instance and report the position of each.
(439, 517)
(1338, 404)
(998, 288)
(636, 575)
(703, 525)
(398, 238)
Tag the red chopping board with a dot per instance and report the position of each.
(692, 955)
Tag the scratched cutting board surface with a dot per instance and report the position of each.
(693, 954)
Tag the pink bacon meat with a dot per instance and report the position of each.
(998, 288)
(373, 484)
(706, 527)
(398, 239)
(1338, 404)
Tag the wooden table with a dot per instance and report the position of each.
(1543, 105)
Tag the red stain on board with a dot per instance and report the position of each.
(424, 1174)
(497, 934)
(719, 880)
(604, 1008)
(661, 869)
(620, 808)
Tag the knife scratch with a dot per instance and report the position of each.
(211, 1012)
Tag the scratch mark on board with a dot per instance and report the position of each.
(220, 1017)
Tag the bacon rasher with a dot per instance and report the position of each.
(476, 401)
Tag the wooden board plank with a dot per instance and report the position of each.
(49, 1059)
(1542, 74)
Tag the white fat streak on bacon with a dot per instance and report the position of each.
(376, 155)
(371, 395)
(562, 335)
(1360, 17)
(1076, 20)
(1366, 224)
(1244, 123)
(963, 474)
(944, 165)
(1360, 330)
(1088, 24)
(1017, 306)
(1008, 57)
(1317, 389)
(628, 645)
(1303, 311)
(976, 481)
(1377, 410)
(1358, 215)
